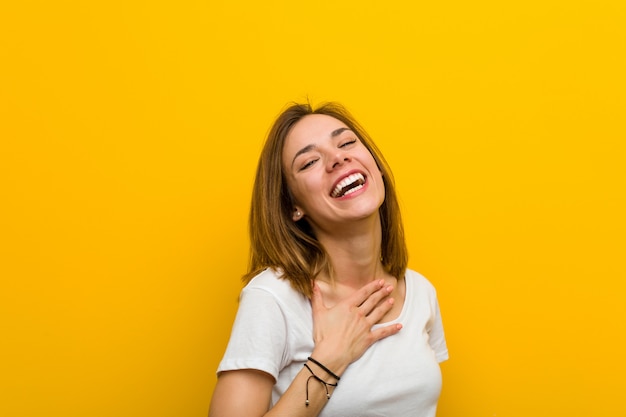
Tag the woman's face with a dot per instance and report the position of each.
(332, 176)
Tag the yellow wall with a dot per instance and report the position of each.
(129, 137)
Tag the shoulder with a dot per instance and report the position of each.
(270, 280)
(420, 289)
(419, 281)
(272, 284)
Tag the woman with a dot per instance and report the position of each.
(331, 321)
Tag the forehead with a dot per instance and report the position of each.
(312, 128)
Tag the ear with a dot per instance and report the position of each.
(297, 214)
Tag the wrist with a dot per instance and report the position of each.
(324, 368)
(327, 365)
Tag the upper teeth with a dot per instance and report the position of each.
(349, 180)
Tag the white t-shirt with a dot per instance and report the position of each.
(398, 376)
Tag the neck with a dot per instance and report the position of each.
(354, 254)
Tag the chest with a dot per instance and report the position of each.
(332, 296)
(394, 378)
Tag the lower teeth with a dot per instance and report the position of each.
(351, 190)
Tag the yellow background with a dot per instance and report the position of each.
(129, 137)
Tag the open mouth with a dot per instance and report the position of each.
(348, 185)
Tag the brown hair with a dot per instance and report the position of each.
(276, 241)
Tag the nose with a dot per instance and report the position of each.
(337, 160)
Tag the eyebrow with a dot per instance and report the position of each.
(338, 132)
(309, 148)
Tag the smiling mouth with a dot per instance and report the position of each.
(348, 185)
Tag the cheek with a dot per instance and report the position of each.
(308, 189)
(299, 189)
(308, 192)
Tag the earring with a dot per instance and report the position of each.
(298, 214)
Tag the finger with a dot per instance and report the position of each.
(386, 331)
(317, 301)
(375, 299)
(366, 291)
(379, 311)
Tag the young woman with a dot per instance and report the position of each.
(331, 321)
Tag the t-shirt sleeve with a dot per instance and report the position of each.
(437, 339)
(258, 336)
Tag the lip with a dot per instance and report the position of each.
(345, 175)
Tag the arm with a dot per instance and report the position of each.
(247, 392)
(341, 334)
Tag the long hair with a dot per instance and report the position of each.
(276, 241)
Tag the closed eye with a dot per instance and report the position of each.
(307, 164)
(346, 144)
